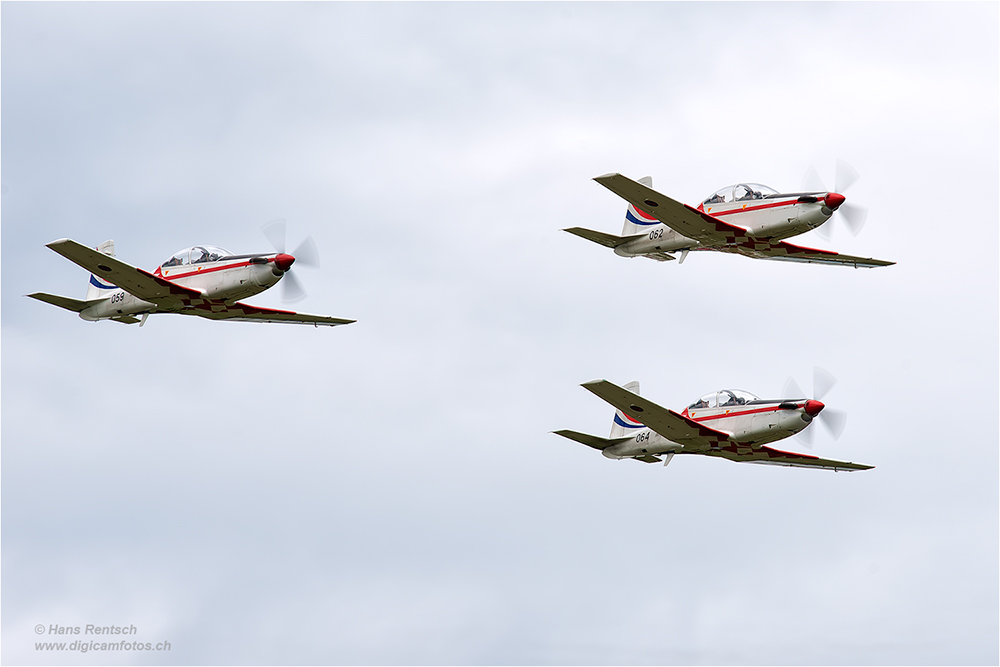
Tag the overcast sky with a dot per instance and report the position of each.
(390, 491)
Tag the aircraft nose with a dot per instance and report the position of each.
(834, 200)
(284, 261)
(813, 407)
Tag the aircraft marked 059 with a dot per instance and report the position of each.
(205, 281)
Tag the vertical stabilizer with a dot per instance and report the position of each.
(624, 425)
(98, 289)
(637, 222)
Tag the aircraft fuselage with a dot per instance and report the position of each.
(229, 280)
(775, 218)
(756, 423)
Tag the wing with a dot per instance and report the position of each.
(776, 457)
(715, 234)
(243, 312)
(140, 284)
(671, 425)
(782, 251)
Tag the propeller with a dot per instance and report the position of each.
(833, 421)
(854, 216)
(305, 254)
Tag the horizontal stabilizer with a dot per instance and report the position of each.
(62, 301)
(648, 458)
(594, 441)
(606, 240)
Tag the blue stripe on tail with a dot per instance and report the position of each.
(639, 221)
(99, 285)
(628, 424)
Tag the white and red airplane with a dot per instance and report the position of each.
(747, 219)
(729, 424)
(203, 280)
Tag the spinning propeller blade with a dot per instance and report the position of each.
(275, 233)
(805, 436)
(834, 421)
(291, 289)
(306, 254)
(846, 175)
(811, 182)
(792, 390)
(822, 383)
(854, 216)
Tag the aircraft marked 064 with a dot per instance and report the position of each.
(742, 427)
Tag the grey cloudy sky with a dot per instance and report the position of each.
(389, 491)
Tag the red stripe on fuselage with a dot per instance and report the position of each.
(758, 208)
(755, 208)
(774, 408)
(201, 272)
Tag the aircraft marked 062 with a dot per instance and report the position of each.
(757, 219)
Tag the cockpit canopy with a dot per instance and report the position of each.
(199, 254)
(740, 192)
(723, 399)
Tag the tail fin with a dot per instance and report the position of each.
(636, 221)
(98, 289)
(624, 425)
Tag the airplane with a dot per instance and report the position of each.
(748, 219)
(730, 424)
(206, 281)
